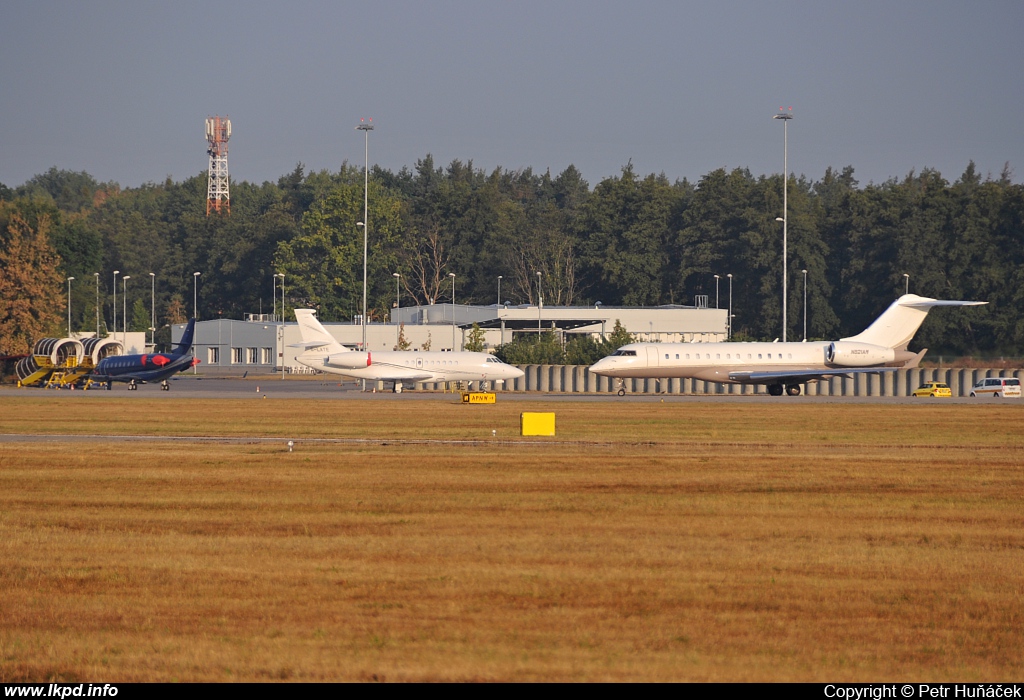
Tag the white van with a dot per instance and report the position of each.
(997, 387)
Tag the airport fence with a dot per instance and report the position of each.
(577, 379)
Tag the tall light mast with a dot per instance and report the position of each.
(785, 117)
(366, 127)
(218, 131)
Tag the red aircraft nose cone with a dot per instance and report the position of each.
(160, 360)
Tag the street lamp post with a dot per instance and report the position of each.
(728, 331)
(69, 305)
(280, 332)
(152, 309)
(906, 278)
(716, 290)
(540, 306)
(499, 290)
(97, 276)
(116, 273)
(124, 321)
(195, 295)
(273, 282)
(785, 117)
(805, 304)
(281, 275)
(452, 275)
(398, 305)
(366, 127)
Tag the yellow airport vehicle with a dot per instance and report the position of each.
(937, 389)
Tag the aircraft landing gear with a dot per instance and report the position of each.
(131, 385)
(110, 385)
(398, 387)
(775, 389)
(622, 387)
(793, 389)
(164, 386)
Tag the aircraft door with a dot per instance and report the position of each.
(652, 356)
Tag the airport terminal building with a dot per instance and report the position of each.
(261, 344)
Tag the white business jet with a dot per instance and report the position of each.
(322, 352)
(783, 366)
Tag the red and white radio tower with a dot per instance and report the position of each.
(218, 131)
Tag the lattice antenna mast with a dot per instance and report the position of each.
(218, 131)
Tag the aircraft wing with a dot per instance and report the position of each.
(389, 372)
(797, 376)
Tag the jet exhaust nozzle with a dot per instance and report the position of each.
(349, 360)
(843, 353)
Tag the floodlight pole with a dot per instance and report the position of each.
(366, 127)
(124, 321)
(195, 295)
(728, 332)
(717, 278)
(116, 273)
(499, 291)
(152, 310)
(785, 117)
(540, 306)
(906, 278)
(69, 305)
(97, 276)
(398, 305)
(452, 275)
(805, 305)
(283, 321)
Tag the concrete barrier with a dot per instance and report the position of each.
(577, 379)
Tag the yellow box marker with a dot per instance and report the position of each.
(537, 424)
(478, 397)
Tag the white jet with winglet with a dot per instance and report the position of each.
(783, 367)
(321, 351)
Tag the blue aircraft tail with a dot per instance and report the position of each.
(185, 345)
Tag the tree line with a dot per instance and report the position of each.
(630, 240)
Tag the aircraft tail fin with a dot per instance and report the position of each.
(185, 344)
(314, 335)
(897, 325)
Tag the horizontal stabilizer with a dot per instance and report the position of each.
(898, 324)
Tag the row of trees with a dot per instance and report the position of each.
(630, 240)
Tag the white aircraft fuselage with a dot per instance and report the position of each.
(712, 362)
(410, 366)
(882, 347)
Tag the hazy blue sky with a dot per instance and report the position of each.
(121, 89)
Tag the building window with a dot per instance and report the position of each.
(213, 356)
(236, 356)
(251, 356)
(268, 356)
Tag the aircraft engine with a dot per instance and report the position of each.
(847, 354)
(349, 360)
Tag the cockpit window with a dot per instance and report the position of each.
(624, 353)
(495, 360)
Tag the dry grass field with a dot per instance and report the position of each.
(649, 541)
